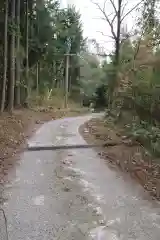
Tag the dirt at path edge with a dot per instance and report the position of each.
(128, 157)
(16, 128)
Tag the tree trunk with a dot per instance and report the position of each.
(37, 78)
(27, 46)
(117, 55)
(5, 58)
(12, 60)
(117, 42)
(39, 5)
(18, 77)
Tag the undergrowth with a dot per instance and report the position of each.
(147, 134)
(51, 99)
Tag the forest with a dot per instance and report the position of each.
(35, 35)
(127, 82)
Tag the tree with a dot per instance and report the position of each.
(5, 65)
(27, 50)
(115, 21)
(18, 70)
(12, 59)
(39, 47)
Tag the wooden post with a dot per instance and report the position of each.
(37, 79)
(66, 81)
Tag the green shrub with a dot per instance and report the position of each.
(147, 134)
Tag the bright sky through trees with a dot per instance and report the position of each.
(93, 25)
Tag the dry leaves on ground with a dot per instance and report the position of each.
(16, 128)
(130, 157)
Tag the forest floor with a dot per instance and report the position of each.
(16, 128)
(125, 154)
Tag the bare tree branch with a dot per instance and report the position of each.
(106, 17)
(113, 5)
(123, 8)
(105, 35)
(101, 18)
(115, 10)
(114, 18)
(104, 5)
(119, 16)
(131, 10)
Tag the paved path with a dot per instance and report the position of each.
(73, 195)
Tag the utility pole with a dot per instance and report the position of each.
(66, 80)
(37, 78)
(67, 72)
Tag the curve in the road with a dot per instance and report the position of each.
(73, 194)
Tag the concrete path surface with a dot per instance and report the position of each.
(73, 194)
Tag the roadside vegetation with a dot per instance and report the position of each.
(35, 36)
(129, 91)
(127, 81)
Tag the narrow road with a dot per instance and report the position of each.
(73, 195)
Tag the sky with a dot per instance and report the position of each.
(94, 26)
